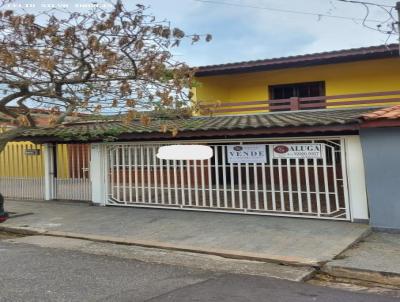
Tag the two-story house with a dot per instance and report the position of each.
(287, 139)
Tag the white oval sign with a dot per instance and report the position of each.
(185, 152)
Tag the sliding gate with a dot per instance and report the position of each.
(314, 187)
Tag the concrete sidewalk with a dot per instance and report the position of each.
(375, 259)
(285, 240)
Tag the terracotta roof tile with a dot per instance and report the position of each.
(385, 113)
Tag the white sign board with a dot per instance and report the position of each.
(185, 152)
(250, 154)
(306, 151)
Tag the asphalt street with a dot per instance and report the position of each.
(32, 273)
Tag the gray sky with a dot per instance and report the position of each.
(244, 33)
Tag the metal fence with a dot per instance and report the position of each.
(72, 181)
(286, 187)
(22, 171)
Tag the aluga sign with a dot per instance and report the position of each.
(307, 151)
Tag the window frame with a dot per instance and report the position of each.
(322, 88)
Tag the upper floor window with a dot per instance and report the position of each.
(301, 90)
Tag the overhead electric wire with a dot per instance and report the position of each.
(319, 15)
(367, 3)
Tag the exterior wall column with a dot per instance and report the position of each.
(48, 158)
(356, 179)
(381, 148)
(98, 162)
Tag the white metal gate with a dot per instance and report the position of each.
(72, 181)
(314, 188)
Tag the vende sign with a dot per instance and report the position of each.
(247, 154)
(297, 151)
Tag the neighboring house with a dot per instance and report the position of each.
(291, 137)
(380, 137)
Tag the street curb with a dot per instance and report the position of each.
(380, 277)
(300, 262)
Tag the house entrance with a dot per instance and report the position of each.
(314, 187)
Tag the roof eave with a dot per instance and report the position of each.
(380, 123)
(212, 71)
(223, 133)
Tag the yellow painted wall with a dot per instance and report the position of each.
(344, 78)
(15, 163)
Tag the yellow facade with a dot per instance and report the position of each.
(345, 78)
(14, 162)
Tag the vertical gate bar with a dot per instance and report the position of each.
(169, 182)
(136, 167)
(67, 174)
(75, 181)
(142, 180)
(326, 184)
(255, 166)
(248, 196)
(225, 201)
(161, 161)
(232, 185)
(316, 181)
(307, 176)
(111, 172)
(88, 159)
(155, 171)
(196, 187)
(148, 169)
(75, 170)
(264, 187)
(216, 168)
(83, 155)
(189, 184)
(176, 183)
(79, 160)
(203, 184)
(289, 176)
(83, 180)
(123, 173)
(272, 179)
(298, 184)
(25, 172)
(58, 149)
(344, 177)
(118, 166)
(335, 187)
(130, 174)
(240, 185)
(80, 171)
(282, 201)
(182, 164)
(210, 184)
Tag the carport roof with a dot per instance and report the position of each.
(318, 121)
